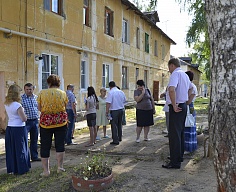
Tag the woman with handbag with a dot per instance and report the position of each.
(190, 133)
(145, 109)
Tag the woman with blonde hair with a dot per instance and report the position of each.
(53, 121)
(16, 139)
(101, 119)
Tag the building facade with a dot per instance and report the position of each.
(87, 43)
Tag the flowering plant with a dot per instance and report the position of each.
(94, 166)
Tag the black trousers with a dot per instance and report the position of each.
(116, 125)
(176, 134)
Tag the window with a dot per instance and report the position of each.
(106, 75)
(124, 78)
(54, 6)
(163, 52)
(146, 77)
(83, 75)
(125, 35)
(86, 13)
(146, 43)
(155, 48)
(108, 25)
(136, 74)
(138, 38)
(49, 66)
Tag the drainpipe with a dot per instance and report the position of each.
(26, 42)
(80, 49)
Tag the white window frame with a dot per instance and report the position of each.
(105, 76)
(59, 68)
(125, 31)
(86, 74)
(124, 73)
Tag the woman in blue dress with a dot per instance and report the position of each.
(16, 139)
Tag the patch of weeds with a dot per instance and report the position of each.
(199, 130)
(196, 159)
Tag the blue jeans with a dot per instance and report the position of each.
(71, 118)
(32, 128)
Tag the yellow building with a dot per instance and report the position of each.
(85, 42)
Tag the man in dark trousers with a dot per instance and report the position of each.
(30, 105)
(179, 88)
(114, 106)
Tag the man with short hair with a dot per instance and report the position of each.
(179, 88)
(71, 112)
(30, 105)
(114, 105)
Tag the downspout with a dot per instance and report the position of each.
(34, 43)
(79, 49)
(26, 42)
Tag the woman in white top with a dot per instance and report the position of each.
(16, 139)
(91, 103)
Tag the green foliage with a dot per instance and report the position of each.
(94, 166)
(197, 35)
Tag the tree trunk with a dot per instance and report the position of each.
(221, 19)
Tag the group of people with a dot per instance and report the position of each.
(100, 110)
(58, 111)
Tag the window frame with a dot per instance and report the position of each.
(145, 77)
(41, 72)
(86, 75)
(163, 52)
(125, 31)
(48, 6)
(138, 38)
(156, 48)
(136, 74)
(124, 75)
(105, 81)
(87, 14)
(146, 46)
(108, 30)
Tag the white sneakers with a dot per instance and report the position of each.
(137, 140)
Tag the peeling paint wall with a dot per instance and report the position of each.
(29, 17)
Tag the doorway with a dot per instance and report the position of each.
(156, 90)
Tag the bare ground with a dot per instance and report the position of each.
(136, 166)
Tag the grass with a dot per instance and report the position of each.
(201, 105)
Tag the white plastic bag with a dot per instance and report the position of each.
(189, 121)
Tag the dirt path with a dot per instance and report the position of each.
(138, 165)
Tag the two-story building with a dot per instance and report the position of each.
(87, 43)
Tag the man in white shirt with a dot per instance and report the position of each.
(114, 105)
(179, 88)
